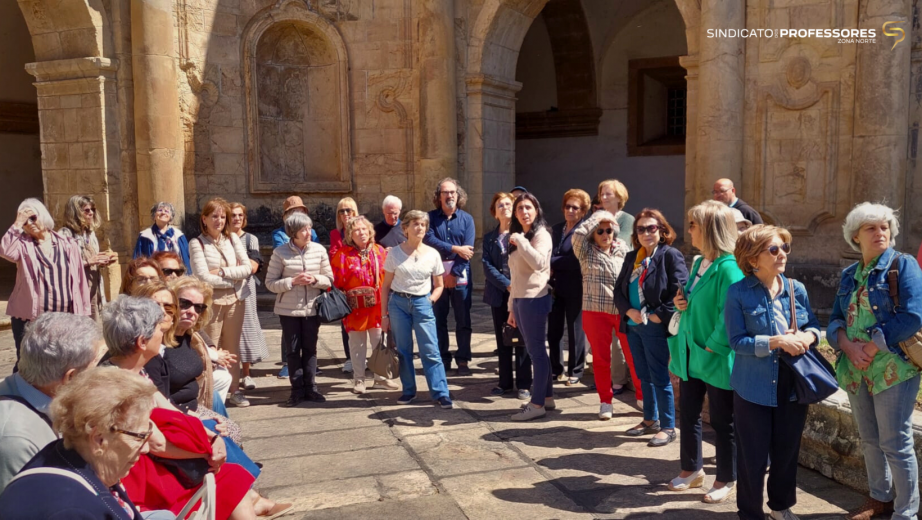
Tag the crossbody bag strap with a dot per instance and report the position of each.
(893, 280)
(793, 304)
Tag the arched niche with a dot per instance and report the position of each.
(297, 93)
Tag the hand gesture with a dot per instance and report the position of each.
(218, 455)
(635, 315)
(22, 217)
(516, 238)
(451, 281)
(680, 302)
(226, 359)
(465, 252)
(511, 320)
(791, 343)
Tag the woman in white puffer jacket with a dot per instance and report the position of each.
(298, 273)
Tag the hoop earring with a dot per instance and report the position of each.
(662, 239)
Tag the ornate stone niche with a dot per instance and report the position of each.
(297, 93)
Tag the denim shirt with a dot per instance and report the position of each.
(749, 315)
(894, 324)
(444, 232)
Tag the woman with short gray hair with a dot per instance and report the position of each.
(299, 272)
(131, 326)
(870, 317)
(49, 269)
(162, 235)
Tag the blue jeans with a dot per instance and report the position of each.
(408, 315)
(531, 320)
(651, 361)
(235, 454)
(459, 299)
(218, 405)
(885, 425)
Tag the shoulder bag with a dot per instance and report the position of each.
(815, 379)
(384, 361)
(332, 305)
(912, 346)
(365, 297)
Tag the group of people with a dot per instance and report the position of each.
(727, 324)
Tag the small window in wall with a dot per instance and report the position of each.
(657, 101)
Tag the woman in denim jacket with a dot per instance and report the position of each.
(768, 419)
(881, 384)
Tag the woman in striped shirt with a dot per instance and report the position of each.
(49, 269)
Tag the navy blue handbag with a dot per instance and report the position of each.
(815, 379)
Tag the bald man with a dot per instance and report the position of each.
(726, 193)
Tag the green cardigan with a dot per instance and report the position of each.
(703, 326)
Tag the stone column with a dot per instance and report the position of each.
(881, 118)
(690, 64)
(720, 102)
(438, 113)
(158, 135)
(77, 113)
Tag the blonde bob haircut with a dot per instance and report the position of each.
(351, 224)
(412, 216)
(616, 187)
(752, 242)
(97, 400)
(869, 213)
(717, 224)
(584, 200)
(194, 283)
(344, 203)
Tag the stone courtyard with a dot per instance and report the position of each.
(367, 457)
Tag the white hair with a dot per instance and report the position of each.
(391, 200)
(40, 211)
(55, 343)
(127, 318)
(869, 213)
(296, 222)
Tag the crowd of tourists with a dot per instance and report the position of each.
(118, 409)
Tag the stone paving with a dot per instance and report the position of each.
(355, 457)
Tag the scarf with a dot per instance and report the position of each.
(165, 241)
(641, 263)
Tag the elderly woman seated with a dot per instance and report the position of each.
(56, 347)
(104, 419)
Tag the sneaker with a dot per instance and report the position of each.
(525, 395)
(387, 384)
(464, 370)
(237, 399)
(783, 515)
(445, 403)
(316, 397)
(347, 366)
(716, 496)
(695, 480)
(248, 383)
(528, 413)
(869, 509)
(358, 387)
(283, 373)
(618, 391)
(293, 401)
(497, 392)
(605, 410)
(406, 399)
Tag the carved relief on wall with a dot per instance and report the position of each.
(797, 122)
(298, 135)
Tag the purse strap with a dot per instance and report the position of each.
(893, 280)
(793, 315)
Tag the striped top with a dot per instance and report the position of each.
(53, 279)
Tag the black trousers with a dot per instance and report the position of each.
(19, 331)
(763, 431)
(522, 363)
(720, 405)
(301, 334)
(342, 328)
(566, 310)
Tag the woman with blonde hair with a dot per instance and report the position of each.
(219, 258)
(612, 195)
(700, 353)
(80, 223)
(345, 210)
(358, 270)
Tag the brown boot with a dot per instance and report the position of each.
(870, 509)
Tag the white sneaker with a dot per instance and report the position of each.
(359, 387)
(605, 411)
(347, 366)
(248, 383)
(528, 413)
(237, 399)
(783, 515)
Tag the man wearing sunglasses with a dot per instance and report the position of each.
(725, 192)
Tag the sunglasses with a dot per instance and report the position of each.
(606, 231)
(773, 250)
(32, 220)
(647, 230)
(570, 207)
(142, 435)
(200, 308)
(89, 211)
(345, 211)
(171, 272)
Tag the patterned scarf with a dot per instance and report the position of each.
(165, 241)
(641, 263)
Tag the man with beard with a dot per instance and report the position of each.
(451, 233)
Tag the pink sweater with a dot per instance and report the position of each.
(530, 267)
(25, 304)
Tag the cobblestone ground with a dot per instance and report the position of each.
(355, 457)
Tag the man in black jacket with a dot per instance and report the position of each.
(726, 193)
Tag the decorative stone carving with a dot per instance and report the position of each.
(297, 96)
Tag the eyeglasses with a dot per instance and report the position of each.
(606, 231)
(185, 304)
(571, 207)
(647, 230)
(345, 211)
(773, 250)
(721, 191)
(177, 272)
(443, 192)
(143, 436)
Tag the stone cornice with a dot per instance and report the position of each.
(76, 68)
(492, 85)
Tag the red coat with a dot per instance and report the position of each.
(349, 272)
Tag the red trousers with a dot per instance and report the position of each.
(598, 327)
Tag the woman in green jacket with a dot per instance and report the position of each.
(700, 351)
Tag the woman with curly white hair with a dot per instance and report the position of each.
(163, 235)
(878, 305)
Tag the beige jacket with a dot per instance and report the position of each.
(530, 267)
(227, 254)
(286, 263)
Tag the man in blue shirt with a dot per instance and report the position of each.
(451, 233)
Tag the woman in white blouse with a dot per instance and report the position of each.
(219, 258)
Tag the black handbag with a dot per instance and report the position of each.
(189, 472)
(512, 337)
(332, 305)
(814, 377)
